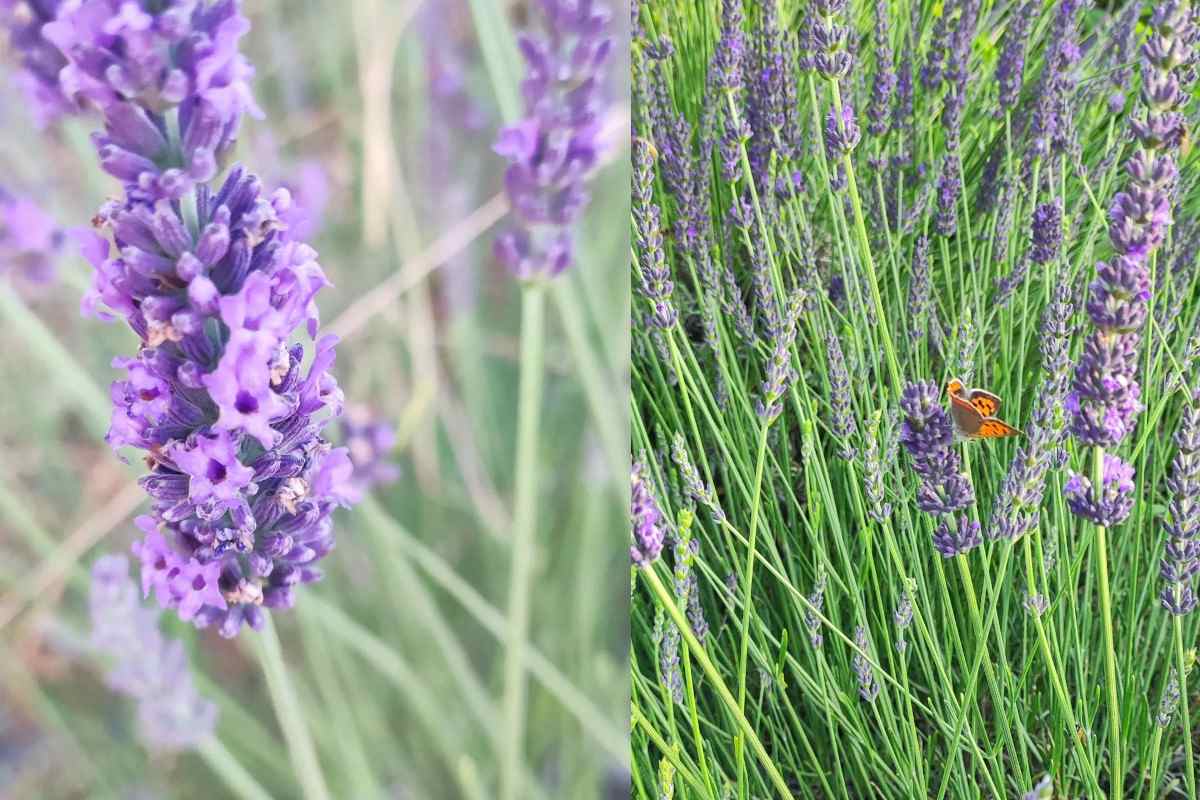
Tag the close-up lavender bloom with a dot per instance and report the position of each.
(841, 134)
(242, 481)
(779, 372)
(31, 242)
(696, 488)
(816, 599)
(902, 617)
(40, 60)
(831, 56)
(146, 665)
(918, 289)
(554, 147)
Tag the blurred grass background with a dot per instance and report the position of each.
(396, 655)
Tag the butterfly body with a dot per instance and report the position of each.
(974, 413)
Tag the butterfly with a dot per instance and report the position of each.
(974, 413)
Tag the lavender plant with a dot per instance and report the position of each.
(963, 168)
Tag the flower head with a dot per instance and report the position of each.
(1113, 502)
(649, 528)
(551, 150)
(215, 284)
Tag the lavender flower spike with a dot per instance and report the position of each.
(242, 480)
(868, 686)
(649, 528)
(555, 145)
(927, 434)
(147, 666)
(1181, 560)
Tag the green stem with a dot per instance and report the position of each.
(749, 582)
(291, 716)
(529, 401)
(1116, 779)
(222, 762)
(697, 651)
(1185, 710)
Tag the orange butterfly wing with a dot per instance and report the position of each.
(996, 429)
(985, 403)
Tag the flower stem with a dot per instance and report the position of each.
(697, 650)
(529, 401)
(749, 582)
(1116, 779)
(291, 716)
(1184, 707)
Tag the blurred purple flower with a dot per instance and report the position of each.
(39, 58)
(369, 440)
(215, 284)
(30, 241)
(146, 666)
(553, 148)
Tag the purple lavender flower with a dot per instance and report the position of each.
(655, 275)
(146, 666)
(841, 420)
(171, 85)
(554, 147)
(649, 528)
(40, 60)
(1010, 68)
(868, 687)
(949, 186)
(668, 662)
(780, 372)
(730, 48)
(1017, 509)
(1181, 560)
(829, 39)
(1115, 500)
(1046, 230)
(928, 435)
(369, 440)
(30, 241)
(932, 70)
(841, 135)
(772, 108)
(243, 482)
(918, 288)
(956, 538)
(885, 74)
(1052, 106)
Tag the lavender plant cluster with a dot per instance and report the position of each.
(1106, 395)
(203, 268)
(953, 176)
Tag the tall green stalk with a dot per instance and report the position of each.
(529, 402)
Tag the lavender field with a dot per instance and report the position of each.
(915, 400)
(315, 328)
